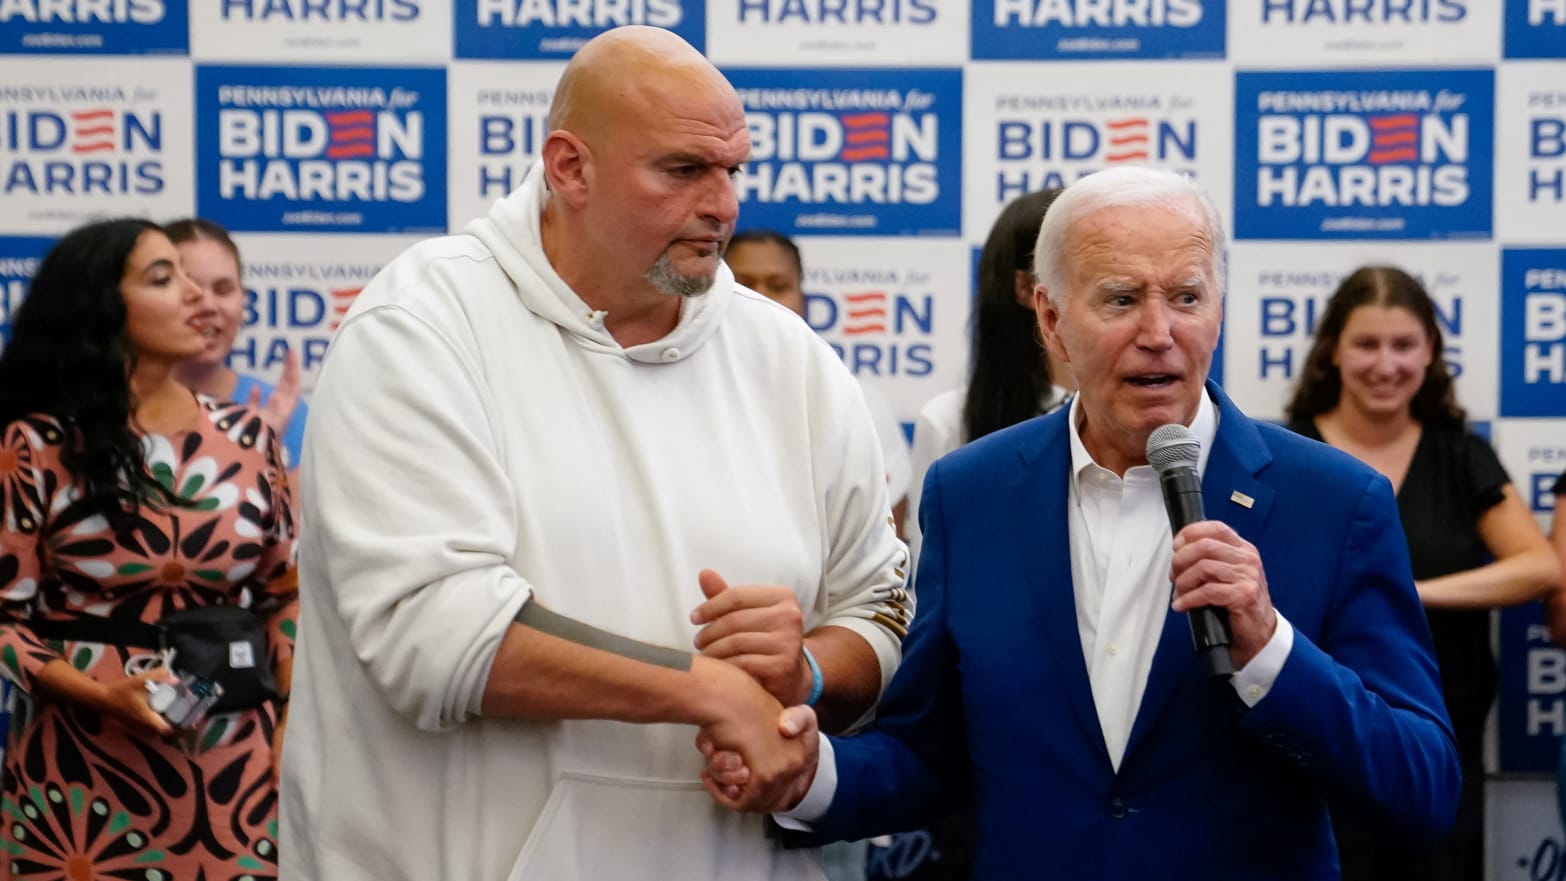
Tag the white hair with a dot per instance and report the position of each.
(1121, 185)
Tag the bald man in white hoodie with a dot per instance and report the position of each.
(573, 498)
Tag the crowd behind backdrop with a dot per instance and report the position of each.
(330, 134)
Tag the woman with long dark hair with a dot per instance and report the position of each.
(1011, 377)
(145, 571)
(1375, 385)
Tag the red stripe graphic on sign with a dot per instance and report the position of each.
(1393, 138)
(866, 136)
(866, 313)
(352, 134)
(92, 131)
(1393, 120)
(1127, 140)
(1382, 157)
(863, 120)
(342, 301)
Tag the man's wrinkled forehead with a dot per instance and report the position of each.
(1110, 256)
(1154, 230)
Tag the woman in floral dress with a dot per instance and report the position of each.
(124, 496)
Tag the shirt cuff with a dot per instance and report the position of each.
(819, 797)
(1254, 680)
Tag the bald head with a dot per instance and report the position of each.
(621, 70)
(646, 139)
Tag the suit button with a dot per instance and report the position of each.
(1117, 808)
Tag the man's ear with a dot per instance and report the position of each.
(568, 167)
(1049, 324)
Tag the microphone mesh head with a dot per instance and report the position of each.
(1172, 446)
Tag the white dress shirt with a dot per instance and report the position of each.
(1121, 549)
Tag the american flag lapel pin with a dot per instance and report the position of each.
(1241, 499)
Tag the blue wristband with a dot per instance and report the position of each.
(816, 684)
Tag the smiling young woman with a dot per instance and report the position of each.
(1375, 386)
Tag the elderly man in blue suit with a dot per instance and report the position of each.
(1050, 679)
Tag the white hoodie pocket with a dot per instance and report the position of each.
(608, 829)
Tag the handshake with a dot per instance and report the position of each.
(757, 736)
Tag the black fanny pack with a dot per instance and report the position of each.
(219, 643)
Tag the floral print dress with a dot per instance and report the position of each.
(83, 797)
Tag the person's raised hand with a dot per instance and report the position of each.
(757, 628)
(278, 410)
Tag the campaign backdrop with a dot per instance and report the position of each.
(887, 135)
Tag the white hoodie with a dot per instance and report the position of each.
(477, 437)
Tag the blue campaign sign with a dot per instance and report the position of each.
(555, 29)
(852, 152)
(19, 256)
(1538, 485)
(1532, 702)
(1533, 332)
(1536, 28)
(1087, 30)
(94, 27)
(335, 149)
(1385, 154)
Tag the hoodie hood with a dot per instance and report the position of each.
(511, 231)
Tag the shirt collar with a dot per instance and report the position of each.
(1204, 427)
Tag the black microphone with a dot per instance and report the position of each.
(1174, 452)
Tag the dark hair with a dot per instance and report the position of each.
(196, 229)
(1010, 370)
(1321, 385)
(69, 357)
(769, 237)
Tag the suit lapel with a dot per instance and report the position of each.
(1230, 493)
(1044, 543)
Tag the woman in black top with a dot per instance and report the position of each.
(1374, 385)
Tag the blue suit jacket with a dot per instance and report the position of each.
(992, 701)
